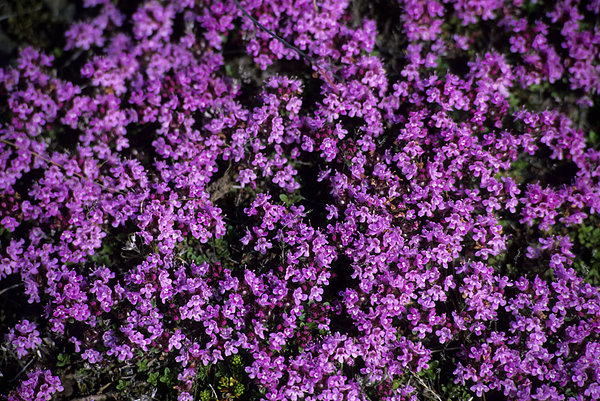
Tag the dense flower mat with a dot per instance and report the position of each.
(337, 201)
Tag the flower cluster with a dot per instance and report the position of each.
(288, 182)
(40, 385)
(28, 338)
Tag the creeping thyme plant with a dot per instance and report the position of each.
(304, 200)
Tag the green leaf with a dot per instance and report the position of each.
(153, 378)
(202, 373)
(63, 360)
(122, 385)
(238, 389)
(166, 377)
(142, 365)
(206, 395)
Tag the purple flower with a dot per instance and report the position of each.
(25, 338)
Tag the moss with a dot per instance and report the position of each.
(37, 23)
(587, 260)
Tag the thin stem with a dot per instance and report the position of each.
(213, 390)
(310, 59)
(10, 288)
(23, 370)
(264, 28)
(422, 383)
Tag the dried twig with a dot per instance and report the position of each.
(10, 288)
(425, 386)
(222, 186)
(213, 390)
(23, 370)
(308, 57)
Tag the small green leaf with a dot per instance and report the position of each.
(142, 365)
(63, 360)
(153, 378)
(202, 373)
(166, 377)
(238, 389)
(122, 385)
(206, 395)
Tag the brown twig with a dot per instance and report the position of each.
(221, 186)
(425, 386)
(308, 57)
(107, 385)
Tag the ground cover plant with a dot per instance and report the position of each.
(303, 200)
